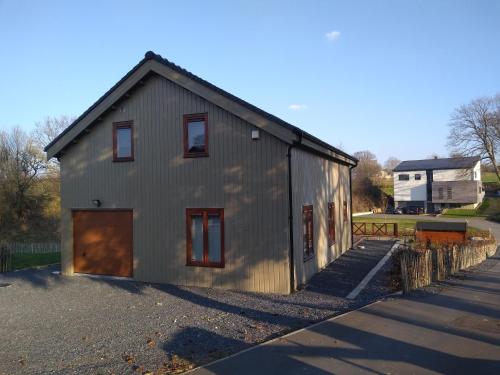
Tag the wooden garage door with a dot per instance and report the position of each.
(102, 242)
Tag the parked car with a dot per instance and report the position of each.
(394, 210)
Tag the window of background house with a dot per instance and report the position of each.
(195, 135)
(440, 193)
(205, 237)
(307, 219)
(123, 141)
(404, 177)
(449, 193)
(331, 223)
(345, 210)
(418, 176)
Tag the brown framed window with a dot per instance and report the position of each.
(307, 219)
(331, 223)
(123, 141)
(205, 237)
(196, 135)
(345, 210)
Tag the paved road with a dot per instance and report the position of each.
(456, 331)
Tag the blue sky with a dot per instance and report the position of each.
(376, 75)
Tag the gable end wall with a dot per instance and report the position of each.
(249, 179)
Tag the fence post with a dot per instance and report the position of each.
(404, 271)
(5, 258)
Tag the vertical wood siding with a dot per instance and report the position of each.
(247, 178)
(317, 181)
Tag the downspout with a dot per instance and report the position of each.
(290, 210)
(350, 204)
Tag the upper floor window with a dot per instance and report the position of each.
(123, 141)
(331, 223)
(404, 177)
(205, 237)
(195, 135)
(418, 176)
(449, 193)
(440, 193)
(307, 221)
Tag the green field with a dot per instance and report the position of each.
(461, 212)
(489, 207)
(386, 185)
(20, 261)
(403, 224)
(489, 177)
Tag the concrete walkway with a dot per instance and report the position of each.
(456, 331)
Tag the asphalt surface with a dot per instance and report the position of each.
(340, 277)
(451, 329)
(78, 325)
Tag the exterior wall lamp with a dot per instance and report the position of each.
(96, 202)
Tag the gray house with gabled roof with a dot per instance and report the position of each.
(168, 178)
(433, 184)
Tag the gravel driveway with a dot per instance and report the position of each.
(74, 325)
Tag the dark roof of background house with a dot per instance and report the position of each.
(447, 163)
(150, 55)
(441, 226)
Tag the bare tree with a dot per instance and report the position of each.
(366, 194)
(391, 163)
(475, 130)
(48, 129)
(21, 163)
(368, 166)
(45, 132)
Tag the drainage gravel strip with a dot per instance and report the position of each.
(78, 325)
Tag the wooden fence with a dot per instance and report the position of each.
(9, 250)
(5, 259)
(420, 267)
(33, 247)
(375, 229)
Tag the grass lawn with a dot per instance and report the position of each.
(489, 177)
(403, 224)
(462, 212)
(20, 261)
(489, 207)
(388, 190)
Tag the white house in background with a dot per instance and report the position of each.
(433, 184)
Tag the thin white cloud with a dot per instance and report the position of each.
(332, 36)
(297, 107)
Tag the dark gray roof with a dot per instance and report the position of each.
(441, 226)
(153, 56)
(447, 163)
